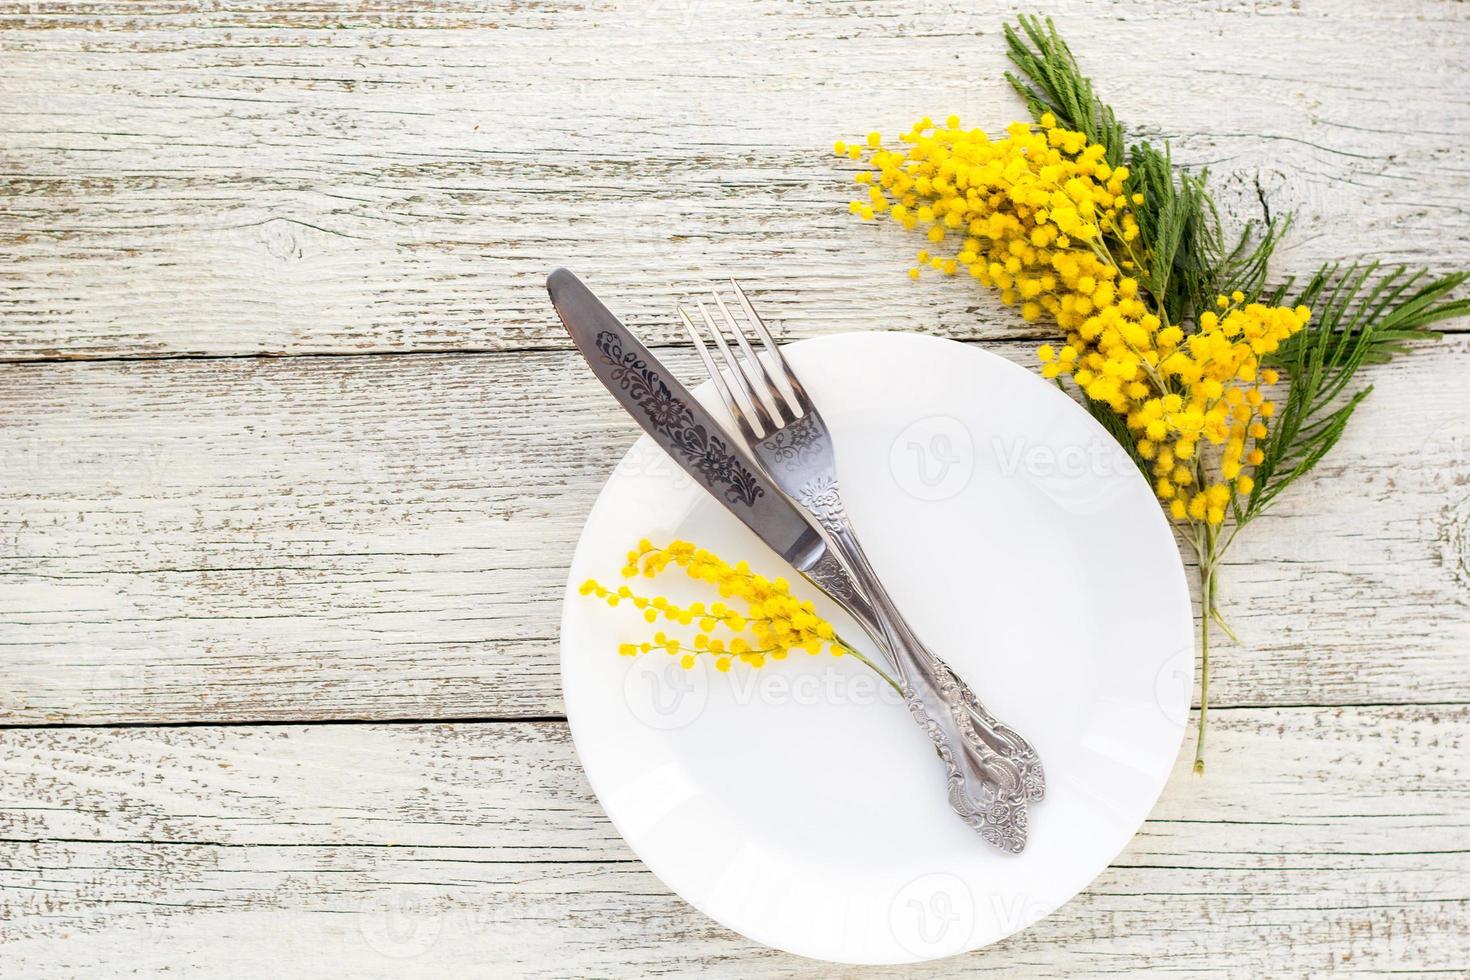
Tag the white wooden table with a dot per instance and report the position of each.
(293, 455)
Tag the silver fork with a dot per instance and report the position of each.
(837, 583)
(999, 736)
(991, 770)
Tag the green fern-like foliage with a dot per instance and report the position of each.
(1359, 315)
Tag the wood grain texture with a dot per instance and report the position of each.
(303, 538)
(410, 850)
(268, 176)
(191, 534)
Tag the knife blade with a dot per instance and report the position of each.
(686, 431)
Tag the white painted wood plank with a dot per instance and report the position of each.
(387, 538)
(181, 177)
(384, 537)
(1322, 840)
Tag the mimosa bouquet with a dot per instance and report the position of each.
(1223, 387)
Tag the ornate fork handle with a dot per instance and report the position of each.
(1002, 738)
(832, 578)
(989, 778)
(938, 699)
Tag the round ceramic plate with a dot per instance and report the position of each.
(799, 804)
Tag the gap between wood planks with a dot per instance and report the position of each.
(562, 719)
(366, 846)
(1448, 328)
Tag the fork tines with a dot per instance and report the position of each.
(755, 400)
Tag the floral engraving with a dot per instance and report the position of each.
(823, 500)
(705, 451)
(828, 575)
(798, 444)
(978, 723)
(1000, 819)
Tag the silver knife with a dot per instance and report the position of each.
(684, 429)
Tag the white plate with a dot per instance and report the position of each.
(799, 804)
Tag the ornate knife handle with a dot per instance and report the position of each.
(832, 578)
(987, 790)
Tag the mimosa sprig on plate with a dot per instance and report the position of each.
(773, 625)
(1223, 389)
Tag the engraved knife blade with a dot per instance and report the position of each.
(684, 429)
